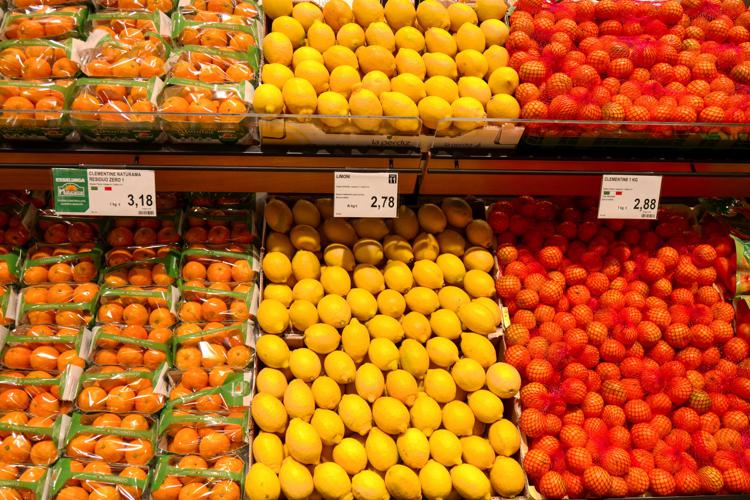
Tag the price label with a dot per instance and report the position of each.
(123, 192)
(370, 194)
(629, 196)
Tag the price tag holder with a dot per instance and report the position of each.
(365, 194)
(96, 191)
(629, 196)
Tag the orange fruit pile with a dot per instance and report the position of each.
(142, 232)
(119, 256)
(242, 9)
(47, 102)
(194, 488)
(22, 26)
(13, 232)
(36, 62)
(26, 447)
(37, 400)
(56, 230)
(123, 353)
(113, 103)
(211, 68)
(216, 270)
(87, 489)
(207, 441)
(131, 393)
(81, 270)
(59, 293)
(205, 30)
(111, 448)
(45, 356)
(141, 58)
(130, 5)
(192, 99)
(139, 275)
(215, 307)
(32, 474)
(118, 307)
(211, 350)
(211, 227)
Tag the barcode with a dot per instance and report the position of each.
(146, 212)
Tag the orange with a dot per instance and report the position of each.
(30, 475)
(15, 418)
(60, 273)
(17, 357)
(120, 237)
(194, 271)
(238, 310)
(107, 420)
(185, 441)
(144, 236)
(218, 374)
(139, 452)
(152, 358)
(134, 422)
(84, 271)
(59, 293)
(161, 318)
(140, 276)
(191, 312)
(245, 9)
(35, 295)
(135, 332)
(109, 92)
(179, 391)
(187, 357)
(213, 309)
(219, 271)
(48, 103)
(241, 271)
(114, 111)
(64, 68)
(211, 73)
(44, 404)
(224, 6)
(15, 449)
(134, 472)
(14, 399)
(213, 355)
(225, 490)
(71, 318)
(104, 492)
(214, 444)
(116, 279)
(209, 402)
(44, 358)
(28, 28)
(120, 399)
(130, 356)
(92, 399)
(43, 453)
(57, 26)
(168, 490)
(192, 462)
(188, 329)
(161, 335)
(69, 357)
(229, 463)
(148, 402)
(151, 66)
(212, 37)
(72, 493)
(195, 379)
(105, 357)
(217, 285)
(144, 107)
(126, 68)
(95, 467)
(160, 297)
(36, 69)
(238, 357)
(190, 36)
(86, 102)
(110, 313)
(40, 331)
(135, 314)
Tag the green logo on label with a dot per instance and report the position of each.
(70, 188)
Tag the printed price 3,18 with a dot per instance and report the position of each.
(382, 202)
(140, 200)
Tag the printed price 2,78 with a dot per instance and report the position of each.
(382, 202)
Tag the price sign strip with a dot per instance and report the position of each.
(123, 192)
(629, 196)
(365, 194)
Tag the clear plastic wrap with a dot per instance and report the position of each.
(29, 439)
(96, 480)
(58, 304)
(27, 482)
(44, 347)
(208, 435)
(213, 345)
(231, 395)
(214, 29)
(218, 269)
(219, 226)
(198, 479)
(213, 65)
(50, 22)
(114, 390)
(128, 439)
(131, 346)
(64, 263)
(38, 393)
(140, 232)
(234, 7)
(161, 270)
(32, 110)
(37, 58)
(138, 306)
(55, 229)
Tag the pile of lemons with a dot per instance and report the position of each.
(378, 374)
(368, 60)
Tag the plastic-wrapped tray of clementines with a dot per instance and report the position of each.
(140, 306)
(115, 390)
(220, 200)
(214, 305)
(65, 263)
(58, 304)
(159, 270)
(165, 6)
(10, 265)
(29, 439)
(38, 58)
(73, 480)
(39, 393)
(132, 233)
(49, 348)
(128, 439)
(33, 110)
(56, 229)
(44, 21)
(217, 268)
(215, 226)
(205, 434)
(247, 9)
(227, 391)
(194, 477)
(25, 481)
(131, 346)
(106, 55)
(210, 345)
(122, 255)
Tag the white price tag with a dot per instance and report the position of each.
(122, 192)
(365, 194)
(629, 196)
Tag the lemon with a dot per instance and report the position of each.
(479, 284)
(305, 264)
(363, 103)
(492, 306)
(276, 8)
(278, 215)
(406, 224)
(351, 455)
(458, 418)
(325, 207)
(300, 97)
(495, 31)
(268, 412)
(376, 58)
(320, 36)
(497, 57)
(351, 36)
(344, 79)
(290, 27)
(369, 277)
(306, 54)
(384, 354)
(368, 485)
(486, 406)
(368, 251)
(416, 326)
(367, 11)
(369, 382)
(277, 48)
(473, 86)
(409, 61)
(422, 300)
(503, 379)
(273, 351)
(403, 483)
(355, 413)
(477, 318)
(296, 480)
(439, 385)
(433, 111)
(362, 303)
(337, 254)
(272, 316)
(432, 14)
(397, 248)
(478, 258)
(445, 448)
(439, 40)
(335, 311)
(390, 415)
(399, 13)
(443, 87)
(477, 452)
(439, 64)
(503, 106)
(335, 280)
(468, 374)
(262, 483)
(490, 9)
(398, 104)
(331, 480)
(452, 267)
(381, 449)
(410, 85)
(479, 348)
(442, 352)
(452, 297)
(471, 63)
(329, 426)
(338, 55)
(428, 274)
(392, 304)
(413, 448)
(386, 326)
(268, 450)
(337, 13)
(503, 81)
(379, 33)
(304, 364)
(468, 107)
(414, 359)
(507, 477)
(315, 73)
(398, 278)
(303, 236)
(451, 242)
(274, 74)
(470, 482)
(322, 338)
(426, 247)
(268, 99)
(309, 290)
(272, 381)
(355, 340)
(339, 231)
(435, 480)
(504, 437)
(333, 103)
(277, 267)
(426, 414)
(445, 323)
(479, 232)
(299, 401)
(460, 14)
(432, 218)
(409, 37)
(471, 37)
(376, 82)
(307, 13)
(326, 392)
(340, 367)
(305, 212)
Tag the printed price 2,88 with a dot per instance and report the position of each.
(382, 202)
(648, 204)
(140, 201)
